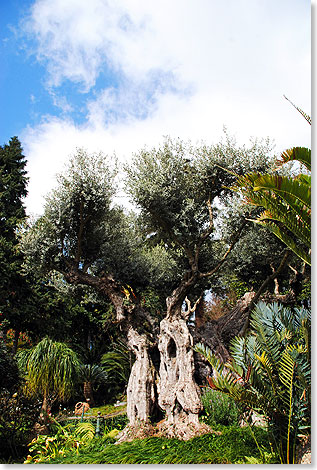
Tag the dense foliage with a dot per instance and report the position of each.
(231, 445)
(180, 189)
(220, 409)
(13, 182)
(270, 372)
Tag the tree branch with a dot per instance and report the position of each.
(221, 262)
(104, 284)
(261, 289)
(172, 235)
(205, 235)
(191, 309)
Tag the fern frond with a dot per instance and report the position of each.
(85, 431)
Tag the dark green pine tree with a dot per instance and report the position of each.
(13, 182)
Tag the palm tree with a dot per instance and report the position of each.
(270, 373)
(91, 374)
(50, 371)
(286, 201)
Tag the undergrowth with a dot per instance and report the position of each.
(234, 445)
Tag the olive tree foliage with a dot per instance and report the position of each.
(76, 214)
(83, 229)
(180, 190)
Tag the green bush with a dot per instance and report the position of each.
(18, 415)
(219, 409)
(70, 438)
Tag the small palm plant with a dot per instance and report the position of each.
(117, 363)
(91, 374)
(270, 373)
(50, 371)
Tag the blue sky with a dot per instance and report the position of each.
(117, 75)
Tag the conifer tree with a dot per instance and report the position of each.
(13, 181)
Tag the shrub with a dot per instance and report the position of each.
(219, 409)
(18, 415)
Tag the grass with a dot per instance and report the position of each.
(105, 410)
(234, 445)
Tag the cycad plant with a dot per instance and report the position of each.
(117, 364)
(50, 371)
(90, 374)
(270, 373)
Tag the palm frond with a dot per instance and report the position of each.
(270, 372)
(92, 373)
(306, 116)
(300, 154)
(49, 367)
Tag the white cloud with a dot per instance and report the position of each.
(179, 68)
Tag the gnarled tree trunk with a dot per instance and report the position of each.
(179, 394)
(141, 390)
(141, 394)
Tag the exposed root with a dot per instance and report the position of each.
(181, 430)
(140, 430)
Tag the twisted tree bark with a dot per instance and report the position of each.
(141, 393)
(141, 390)
(179, 394)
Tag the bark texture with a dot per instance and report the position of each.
(141, 390)
(141, 393)
(88, 393)
(179, 395)
(178, 392)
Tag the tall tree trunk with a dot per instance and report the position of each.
(141, 390)
(179, 394)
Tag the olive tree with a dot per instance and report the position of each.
(90, 241)
(180, 190)
(173, 244)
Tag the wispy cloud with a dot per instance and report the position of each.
(77, 40)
